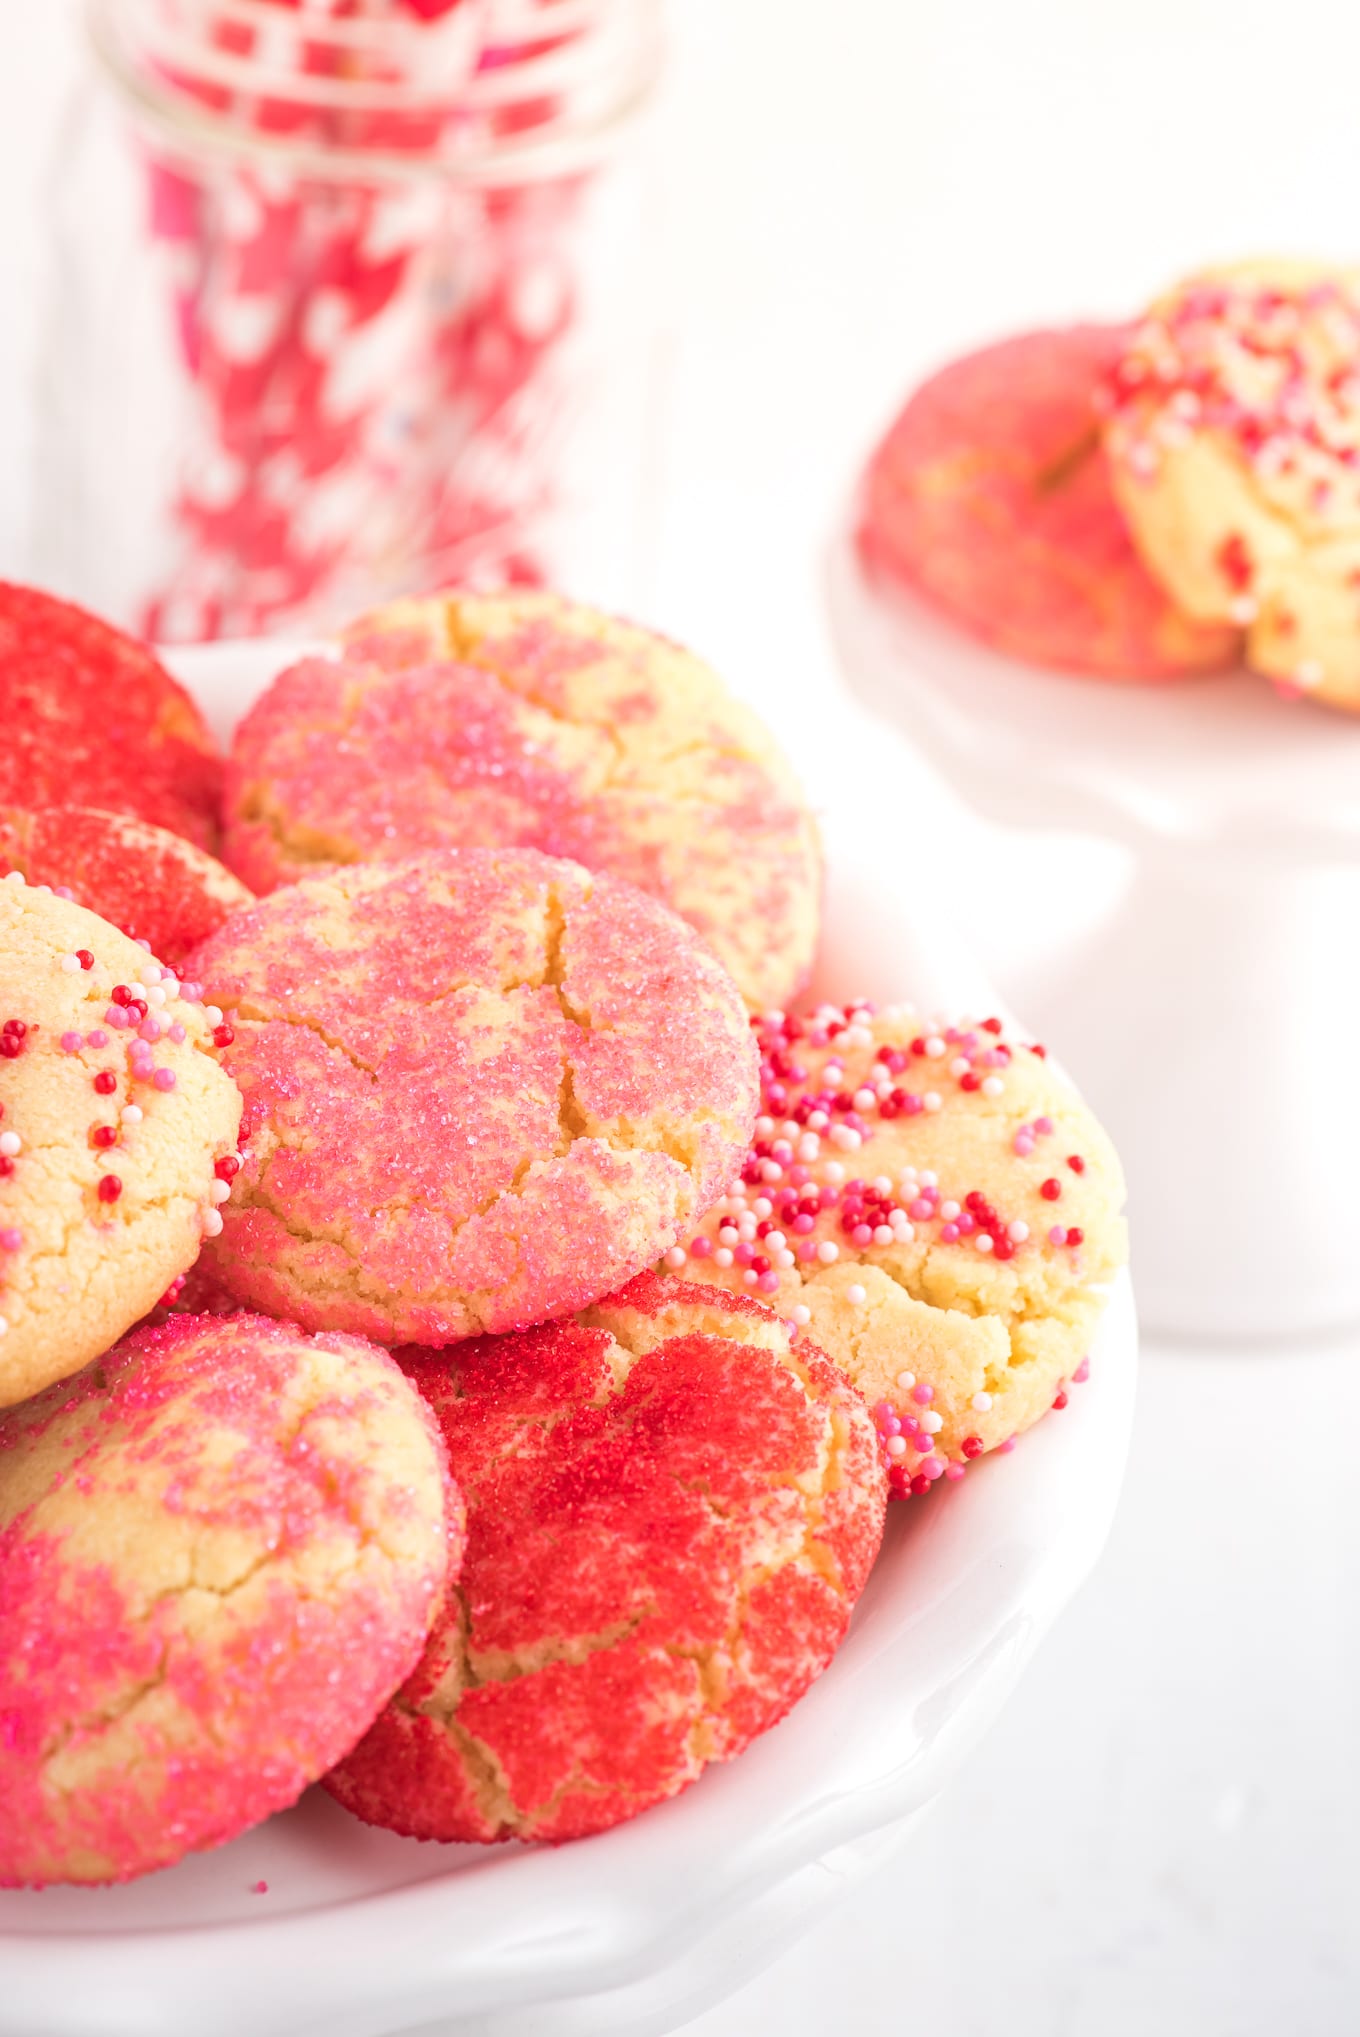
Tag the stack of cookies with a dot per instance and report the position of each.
(462, 1320)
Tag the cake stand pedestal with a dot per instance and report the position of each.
(1207, 1018)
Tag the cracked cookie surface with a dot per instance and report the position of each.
(938, 1206)
(194, 1534)
(524, 720)
(113, 1114)
(482, 1087)
(672, 1508)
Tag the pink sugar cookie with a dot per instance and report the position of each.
(221, 1547)
(673, 1505)
(523, 720)
(481, 1089)
(990, 494)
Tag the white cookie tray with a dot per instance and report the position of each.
(361, 1934)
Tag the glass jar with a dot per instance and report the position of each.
(351, 300)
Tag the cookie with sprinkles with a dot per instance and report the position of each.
(92, 714)
(1233, 428)
(114, 1115)
(197, 1535)
(991, 496)
(938, 1207)
(146, 881)
(482, 1087)
(673, 1504)
(524, 720)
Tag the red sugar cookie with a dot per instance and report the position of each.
(481, 1089)
(146, 881)
(221, 1546)
(672, 1508)
(90, 713)
(990, 494)
(524, 720)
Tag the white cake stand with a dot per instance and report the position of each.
(1207, 1018)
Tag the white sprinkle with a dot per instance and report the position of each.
(864, 1099)
(131, 1114)
(770, 1170)
(1243, 609)
(949, 1210)
(783, 1259)
(802, 1315)
(983, 1242)
(44, 890)
(675, 1258)
(722, 1257)
(729, 1235)
(138, 989)
(904, 1233)
(775, 1241)
(4, 1326)
(844, 1136)
(210, 1013)
(828, 1251)
(960, 1066)
(1018, 1231)
(935, 1047)
(750, 1276)
(155, 995)
(220, 1190)
(855, 1295)
(10, 1144)
(764, 1127)
(906, 1380)
(896, 1446)
(930, 1101)
(15, 877)
(980, 1403)
(834, 1171)
(883, 1234)
(931, 1422)
(928, 1178)
(71, 964)
(883, 1183)
(832, 1076)
(993, 1086)
(212, 1223)
(809, 1146)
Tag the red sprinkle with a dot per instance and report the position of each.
(110, 1188)
(972, 1446)
(1060, 1399)
(228, 1167)
(1076, 1163)
(85, 958)
(1050, 1189)
(120, 994)
(104, 1135)
(223, 1036)
(1075, 1235)
(106, 1082)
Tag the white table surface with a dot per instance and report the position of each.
(1161, 1835)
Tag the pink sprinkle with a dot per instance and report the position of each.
(950, 1234)
(260, 1888)
(1024, 1144)
(1043, 1126)
(923, 1394)
(116, 1016)
(744, 1253)
(1008, 1445)
(768, 1283)
(178, 1034)
(164, 1078)
(71, 1043)
(806, 1248)
(932, 1466)
(11, 1240)
(192, 993)
(96, 1038)
(150, 1029)
(699, 1248)
(803, 1224)
(954, 1470)
(1057, 1235)
(920, 1209)
(1082, 1373)
(861, 1235)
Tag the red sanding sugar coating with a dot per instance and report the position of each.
(148, 882)
(220, 1548)
(481, 1088)
(990, 494)
(672, 1508)
(90, 715)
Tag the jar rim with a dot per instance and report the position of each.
(624, 83)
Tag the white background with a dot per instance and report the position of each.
(1161, 1835)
